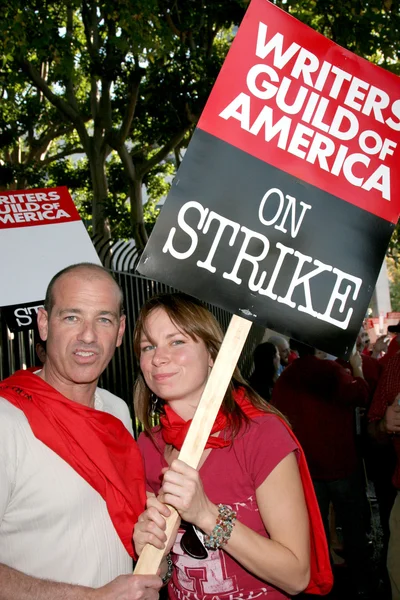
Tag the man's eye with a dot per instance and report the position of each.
(105, 320)
(71, 318)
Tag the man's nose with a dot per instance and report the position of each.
(87, 333)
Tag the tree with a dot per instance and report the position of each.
(32, 136)
(96, 55)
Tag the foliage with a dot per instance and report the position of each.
(126, 82)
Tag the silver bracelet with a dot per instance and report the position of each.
(170, 566)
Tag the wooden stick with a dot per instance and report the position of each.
(203, 421)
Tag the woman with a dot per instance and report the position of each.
(248, 480)
(266, 365)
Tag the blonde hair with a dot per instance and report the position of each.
(195, 320)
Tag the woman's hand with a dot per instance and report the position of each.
(182, 488)
(151, 525)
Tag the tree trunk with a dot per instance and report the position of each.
(101, 230)
(139, 232)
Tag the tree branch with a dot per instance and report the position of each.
(162, 153)
(60, 155)
(64, 107)
(134, 85)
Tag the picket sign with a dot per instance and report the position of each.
(200, 428)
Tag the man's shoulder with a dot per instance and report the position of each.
(9, 412)
(13, 423)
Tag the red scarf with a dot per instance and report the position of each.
(174, 430)
(94, 443)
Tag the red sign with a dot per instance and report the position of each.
(299, 102)
(27, 208)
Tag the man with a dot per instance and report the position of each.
(283, 349)
(319, 397)
(384, 416)
(71, 476)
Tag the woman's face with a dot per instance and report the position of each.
(175, 366)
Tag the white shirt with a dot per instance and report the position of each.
(53, 524)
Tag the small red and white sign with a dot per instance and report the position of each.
(36, 207)
(41, 233)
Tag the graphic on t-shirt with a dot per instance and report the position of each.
(212, 578)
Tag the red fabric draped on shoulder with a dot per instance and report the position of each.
(94, 443)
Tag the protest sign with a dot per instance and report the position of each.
(287, 196)
(20, 317)
(41, 232)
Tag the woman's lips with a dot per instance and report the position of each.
(163, 376)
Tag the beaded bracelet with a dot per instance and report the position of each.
(170, 566)
(222, 530)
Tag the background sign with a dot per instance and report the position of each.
(40, 234)
(288, 194)
(22, 316)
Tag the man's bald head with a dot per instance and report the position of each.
(85, 270)
(283, 347)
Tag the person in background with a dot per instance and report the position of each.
(266, 366)
(72, 479)
(319, 397)
(247, 500)
(384, 427)
(283, 348)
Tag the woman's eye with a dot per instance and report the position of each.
(146, 348)
(178, 342)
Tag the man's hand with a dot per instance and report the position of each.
(355, 361)
(381, 345)
(129, 587)
(391, 420)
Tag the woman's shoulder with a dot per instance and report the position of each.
(153, 437)
(268, 426)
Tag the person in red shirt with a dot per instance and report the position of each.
(319, 399)
(384, 417)
(246, 501)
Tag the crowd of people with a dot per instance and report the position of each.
(80, 498)
(346, 416)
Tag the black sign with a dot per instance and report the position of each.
(285, 201)
(22, 316)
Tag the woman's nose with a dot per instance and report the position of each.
(160, 356)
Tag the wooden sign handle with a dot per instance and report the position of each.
(203, 421)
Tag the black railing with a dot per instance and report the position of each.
(17, 349)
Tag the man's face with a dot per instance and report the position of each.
(284, 352)
(362, 340)
(83, 328)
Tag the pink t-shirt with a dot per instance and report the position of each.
(230, 476)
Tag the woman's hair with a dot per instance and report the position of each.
(264, 375)
(195, 320)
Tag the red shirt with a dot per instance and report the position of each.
(230, 475)
(319, 397)
(386, 392)
(372, 370)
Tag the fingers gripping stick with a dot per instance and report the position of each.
(196, 438)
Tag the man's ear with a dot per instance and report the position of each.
(121, 330)
(43, 323)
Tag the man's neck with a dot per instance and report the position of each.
(82, 393)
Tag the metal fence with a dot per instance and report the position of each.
(17, 350)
